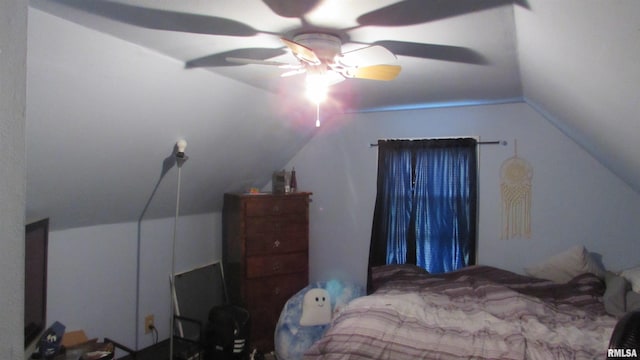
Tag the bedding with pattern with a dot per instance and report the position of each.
(478, 312)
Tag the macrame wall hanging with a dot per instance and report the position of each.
(515, 187)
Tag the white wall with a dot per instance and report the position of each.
(93, 273)
(575, 199)
(13, 49)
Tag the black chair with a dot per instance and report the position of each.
(203, 318)
(626, 334)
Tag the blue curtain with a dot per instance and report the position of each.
(445, 204)
(425, 212)
(395, 203)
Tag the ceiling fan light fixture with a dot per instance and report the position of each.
(317, 87)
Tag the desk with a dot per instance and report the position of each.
(76, 352)
(160, 351)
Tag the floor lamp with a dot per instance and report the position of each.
(180, 160)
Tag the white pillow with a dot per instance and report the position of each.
(633, 277)
(316, 308)
(565, 266)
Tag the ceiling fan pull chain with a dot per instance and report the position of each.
(317, 114)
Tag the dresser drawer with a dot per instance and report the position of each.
(266, 298)
(263, 326)
(276, 206)
(273, 292)
(269, 235)
(261, 266)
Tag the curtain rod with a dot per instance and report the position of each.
(497, 142)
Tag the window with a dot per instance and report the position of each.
(425, 212)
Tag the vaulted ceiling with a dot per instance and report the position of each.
(112, 86)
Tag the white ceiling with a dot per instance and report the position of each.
(99, 108)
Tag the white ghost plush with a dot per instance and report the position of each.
(316, 308)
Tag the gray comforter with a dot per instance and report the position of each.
(479, 312)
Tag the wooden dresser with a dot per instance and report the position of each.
(265, 256)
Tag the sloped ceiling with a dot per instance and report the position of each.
(580, 67)
(113, 85)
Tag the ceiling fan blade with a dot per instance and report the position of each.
(375, 72)
(411, 12)
(370, 55)
(220, 59)
(290, 9)
(161, 19)
(434, 51)
(302, 52)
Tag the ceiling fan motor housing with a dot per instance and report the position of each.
(326, 46)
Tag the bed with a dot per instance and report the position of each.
(478, 312)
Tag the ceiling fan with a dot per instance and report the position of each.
(318, 49)
(320, 54)
(310, 38)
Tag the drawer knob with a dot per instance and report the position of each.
(276, 266)
(276, 244)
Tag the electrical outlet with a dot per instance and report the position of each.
(148, 324)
